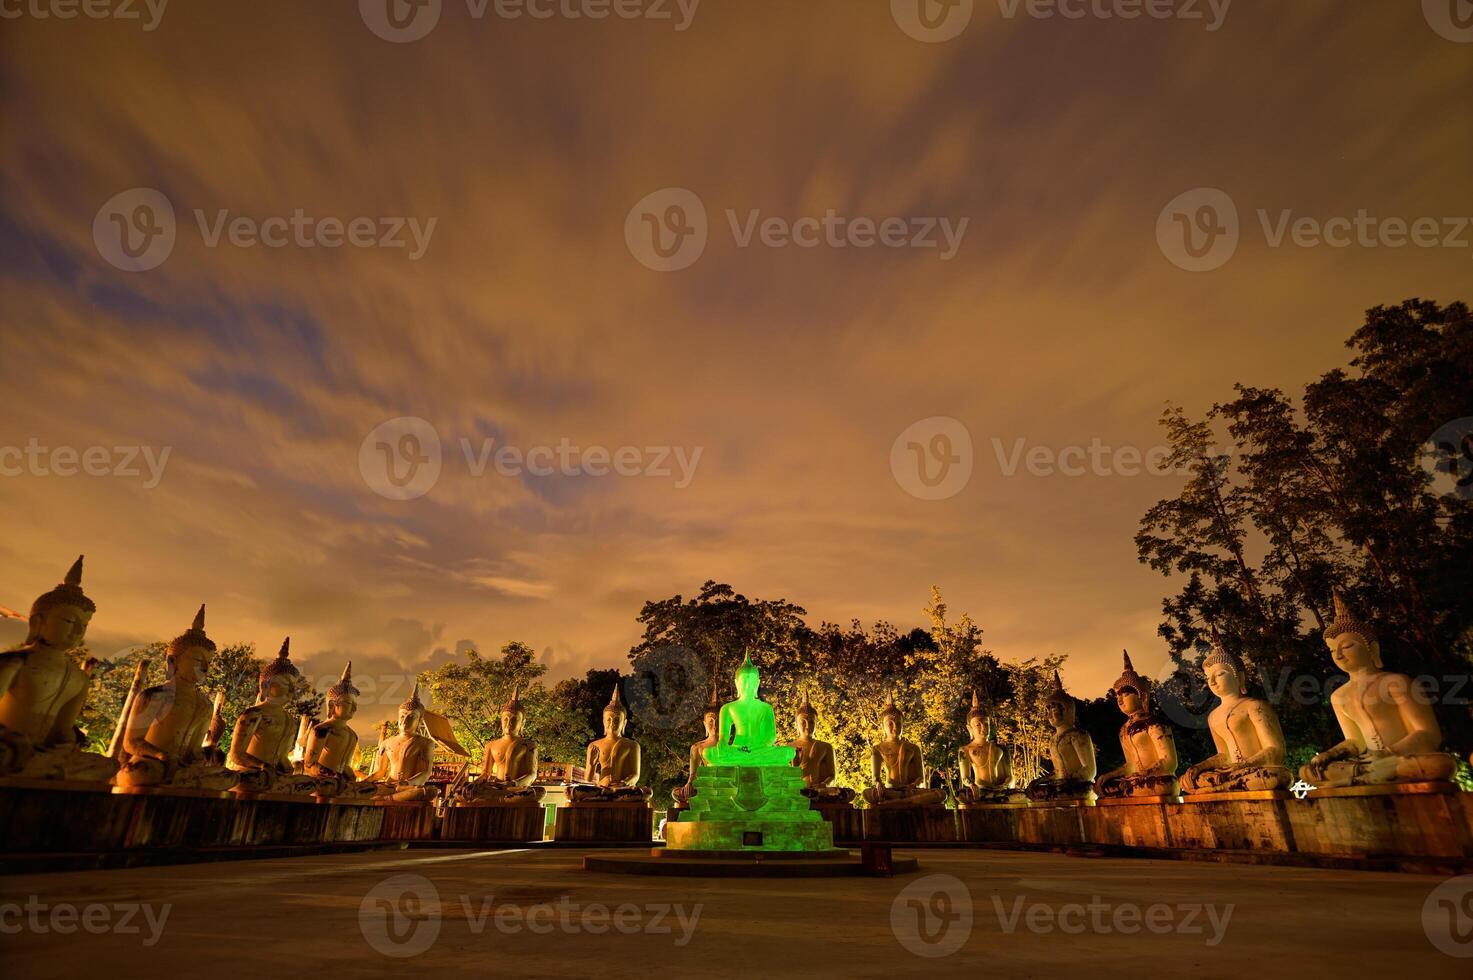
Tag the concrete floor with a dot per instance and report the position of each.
(331, 916)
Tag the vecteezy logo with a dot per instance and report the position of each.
(932, 459)
(667, 230)
(1198, 230)
(932, 916)
(135, 230)
(400, 21)
(400, 916)
(1447, 917)
(401, 458)
(1448, 459)
(1451, 19)
(668, 688)
(932, 21)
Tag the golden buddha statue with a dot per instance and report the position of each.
(1391, 735)
(164, 735)
(406, 761)
(509, 766)
(261, 746)
(42, 692)
(1071, 751)
(710, 720)
(1246, 731)
(1147, 741)
(333, 744)
(897, 767)
(984, 770)
(816, 759)
(612, 763)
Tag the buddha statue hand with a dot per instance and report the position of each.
(1246, 778)
(15, 751)
(1046, 789)
(497, 790)
(829, 794)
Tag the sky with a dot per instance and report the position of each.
(245, 242)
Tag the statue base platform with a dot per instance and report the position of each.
(494, 821)
(1136, 800)
(1429, 787)
(846, 821)
(1071, 801)
(827, 863)
(407, 820)
(43, 817)
(1235, 795)
(750, 835)
(910, 824)
(605, 822)
(1008, 805)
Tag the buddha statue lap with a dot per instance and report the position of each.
(816, 759)
(333, 744)
(711, 722)
(612, 763)
(1146, 739)
(164, 734)
(897, 768)
(1071, 753)
(1246, 731)
(406, 761)
(265, 733)
(1391, 735)
(984, 769)
(509, 765)
(43, 690)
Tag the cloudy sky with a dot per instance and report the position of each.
(505, 286)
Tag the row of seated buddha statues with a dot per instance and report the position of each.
(167, 734)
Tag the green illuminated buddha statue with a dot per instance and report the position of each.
(164, 736)
(612, 763)
(985, 771)
(1071, 751)
(265, 733)
(1147, 741)
(1246, 732)
(43, 690)
(1391, 734)
(816, 759)
(509, 766)
(711, 721)
(897, 767)
(332, 744)
(747, 727)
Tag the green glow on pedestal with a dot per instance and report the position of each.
(749, 796)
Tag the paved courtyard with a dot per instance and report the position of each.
(536, 913)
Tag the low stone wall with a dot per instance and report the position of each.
(1368, 823)
(80, 818)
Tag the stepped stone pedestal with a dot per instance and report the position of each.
(750, 808)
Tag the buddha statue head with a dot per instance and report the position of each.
(59, 618)
(513, 715)
(1353, 643)
(1132, 691)
(615, 715)
(1062, 709)
(805, 718)
(978, 724)
(747, 679)
(411, 713)
(890, 720)
(1225, 673)
(342, 697)
(189, 654)
(280, 678)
